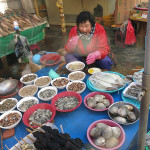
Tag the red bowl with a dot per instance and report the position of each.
(112, 124)
(67, 93)
(54, 58)
(33, 108)
(108, 96)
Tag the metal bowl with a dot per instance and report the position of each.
(119, 104)
(8, 86)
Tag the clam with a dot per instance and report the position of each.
(120, 119)
(101, 125)
(100, 106)
(100, 141)
(131, 116)
(91, 102)
(123, 111)
(106, 102)
(111, 142)
(107, 132)
(113, 110)
(116, 132)
(99, 98)
(129, 107)
(95, 132)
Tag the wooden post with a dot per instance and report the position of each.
(36, 7)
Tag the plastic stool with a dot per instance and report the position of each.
(34, 47)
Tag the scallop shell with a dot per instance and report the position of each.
(106, 102)
(100, 141)
(91, 102)
(116, 132)
(111, 142)
(129, 107)
(123, 111)
(101, 125)
(100, 106)
(120, 119)
(107, 132)
(113, 110)
(131, 116)
(99, 98)
(95, 132)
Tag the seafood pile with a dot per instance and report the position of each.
(28, 78)
(42, 81)
(66, 103)
(138, 76)
(24, 19)
(105, 136)
(147, 140)
(28, 91)
(107, 81)
(27, 146)
(60, 82)
(76, 86)
(40, 116)
(123, 114)
(76, 75)
(47, 93)
(7, 105)
(98, 102)
(10, 119)
(76, 65)
(27, 104)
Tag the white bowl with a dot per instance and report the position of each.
(14, 125)
(45, 88)
(29, 82)
(75, 62)
(45, 84)
(75, 73)
(14, 99)
(26, 99)
(28, 87)
(76, 82)
(59, 87)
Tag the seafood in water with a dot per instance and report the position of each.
(100, 141)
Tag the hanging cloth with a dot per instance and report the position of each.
(130, 35)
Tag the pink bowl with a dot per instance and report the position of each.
(112, 124)
(66, 93)
(108, 96)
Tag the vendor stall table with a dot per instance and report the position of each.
(77, 122)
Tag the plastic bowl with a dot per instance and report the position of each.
(76, 82)
(73, 63)
(48, 83)
(14, 99)
(121, 103)
(29, 82)
(32, 109)
(45, 88)
(26, 99)
(54, 58)
(75, 72)
(67, 93)
(108, 96)
(14, 125)
(112, 124)
(25, 88)
(59, 87)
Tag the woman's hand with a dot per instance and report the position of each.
(73, 43)
(92, 57)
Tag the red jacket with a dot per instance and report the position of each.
(98, 42)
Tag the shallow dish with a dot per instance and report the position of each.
(28, 82)
(76, 72)
(74, 66)
(112, 124)
(14, 99)
(7, 113)
(32, 109)
(66, 93)
(46, 88)
(76, 82)
(118, 105)
(59, 78)
(28, 89)
(94, 70)
(108, 96)
(26, 99)
(44, 84)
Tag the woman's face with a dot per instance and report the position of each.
(85, 27)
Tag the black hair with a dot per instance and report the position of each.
(84, 16)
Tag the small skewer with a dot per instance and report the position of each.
(24, 141)
(1, 139)
(61, 127)
(7, 147)
(37, 124)
(17, 140)
(40, 130)
(31, 139)
(17, 147)
(29, 130)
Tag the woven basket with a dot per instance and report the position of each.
(34, 67)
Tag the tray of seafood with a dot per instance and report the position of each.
(133, 90)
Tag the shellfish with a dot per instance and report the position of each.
(116, 132)
(107, 132)
(95, 132)
(101, 125)
(91, 102)
(100, 106)
(111, 142)
(123, 111)
(131, 116)
(99, 98)
(106, 102)
(113, 110)
(100, 141)
(120, 119)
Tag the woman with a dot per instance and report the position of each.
(88, 39)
